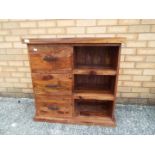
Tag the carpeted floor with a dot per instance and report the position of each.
(16, 119)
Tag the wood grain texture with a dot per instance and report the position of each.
(57, 84)
(74, 40)
(53, 106)
(50, 58)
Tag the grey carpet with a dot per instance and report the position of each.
(16, 119)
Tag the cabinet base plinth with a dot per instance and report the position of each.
(109, 122)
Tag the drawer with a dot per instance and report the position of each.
(50, 58)
(56, 84)
(52, 106)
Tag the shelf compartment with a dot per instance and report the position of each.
(101, 83)
(99, 95)
(96, 56)
(94, 109)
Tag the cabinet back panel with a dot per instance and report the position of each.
(96, 56)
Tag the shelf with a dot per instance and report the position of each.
(86, 70)
(93, 109)
(97, 95)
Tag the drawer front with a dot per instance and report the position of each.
(56, 84)
(50, 58)
(52, 106)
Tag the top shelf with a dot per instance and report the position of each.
(110, 40)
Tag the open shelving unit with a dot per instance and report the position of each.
(95, 75)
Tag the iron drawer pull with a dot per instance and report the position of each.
(50, 58)
(52, 86)
(53, 107)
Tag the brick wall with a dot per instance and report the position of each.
(137, 73)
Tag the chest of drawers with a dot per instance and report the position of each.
(75, 79)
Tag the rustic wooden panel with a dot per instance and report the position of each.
(74, 40)
(50, 58)
(53, 106)
(58, 84)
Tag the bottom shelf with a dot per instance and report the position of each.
(96, 109)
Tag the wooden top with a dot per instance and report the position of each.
(74, 40)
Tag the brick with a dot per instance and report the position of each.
(17, 74)
(104, 22)
(146, 51)
(19, 31)
(4, 32)
(128, 21)
(5, 74)
(136, 44)
(124, 89)
(14, 57)
(23, 69)
(148, 21)
(147, 95)
(140, 90)
(152, 90)
(122, 58)
(3, 89)
(130, 95)
(128, 36)
(63, 23)
(139, 28)
(7, 84)
(11, 79)
(5, 45)
(27, 90)
(14, 90)
(85, 35)
(132, 71)
(127, 65)
(149, 84)
(48, 23)
(128, 51)
(150, 58)
(149, 72)
(28, 24)
(142, 78)
(9, 25)
(134, 58)
(117, 29)
(15, 63)
(66, 36)
(1, 38)
(132, 83)
(153, 28)
(37, 31)
(145, 65)
(56, 31)
(146, 36)
(12, 38)
(19, 45)
(3, 63)
(124, 77)
(151, 43)
(20, 85)
(13, 51)
(9, 69)
(2, 51)
(75, 30)
(96, 30)
(86, 22)
(26, 80)
(105, 35)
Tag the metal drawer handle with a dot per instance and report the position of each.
(50, 58)
(53, 107)
(52, 86)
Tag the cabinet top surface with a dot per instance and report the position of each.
(74, 40)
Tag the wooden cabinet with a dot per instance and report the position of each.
(75, 79)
